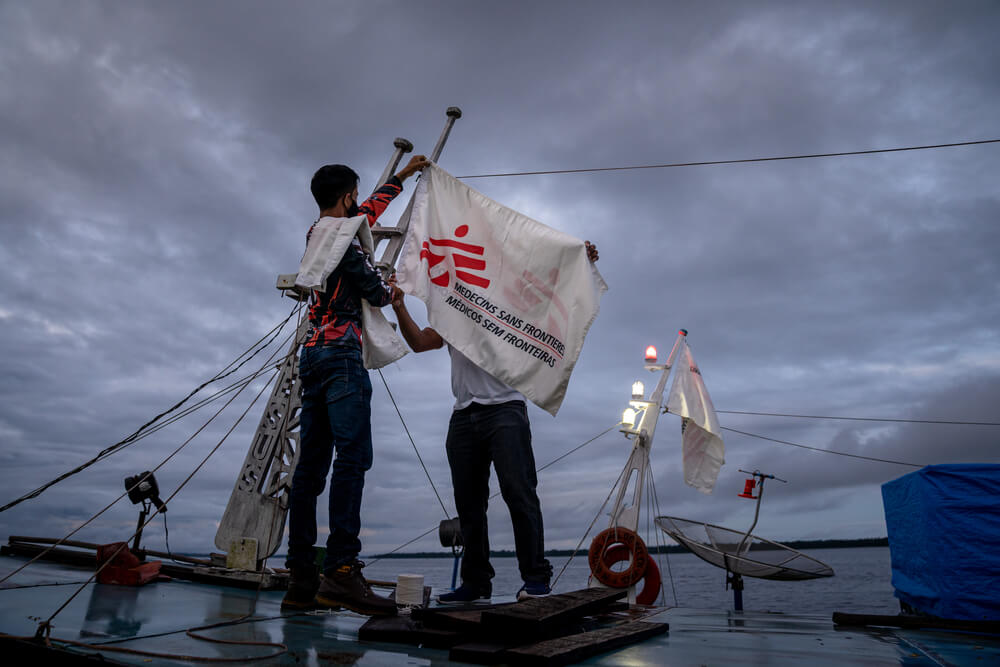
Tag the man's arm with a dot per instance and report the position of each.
(385, 193)
(419, 340)
(357, 268)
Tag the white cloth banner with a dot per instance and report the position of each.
(330, 238)
(512, 295)
(701, 435)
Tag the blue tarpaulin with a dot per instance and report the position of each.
(944, 536)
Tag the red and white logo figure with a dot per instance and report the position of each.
(451, 248)
(528, 291)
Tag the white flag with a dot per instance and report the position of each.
(512, 295)
(701, 435)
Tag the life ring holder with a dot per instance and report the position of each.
(636, 549)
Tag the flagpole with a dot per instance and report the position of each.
(628, 517)
(633, 477)
(395, 235)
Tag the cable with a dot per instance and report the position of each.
(158, 466)
(121, 444)
(46, 625)
(585, 534)
(113, 502)
(861, 419)
(403, 546)
(560, 458)
(740, 161)
(428, 532)
(666, 552)
(827, 451)
(419, 458)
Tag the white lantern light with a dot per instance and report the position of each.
(628, 417)
(638, 390)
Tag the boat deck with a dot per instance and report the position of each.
(155, 618)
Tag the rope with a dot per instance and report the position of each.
(739, 161)
(596, 517)
(112, 503)
(121, 444)
(48, 622)
(417, 451)
(431, 530)
(827, 451)
(666, 554)
(862, 419)
(560, 458)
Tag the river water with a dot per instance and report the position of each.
(861, 583)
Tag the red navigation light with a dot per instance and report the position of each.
(651, 354)
(748, 490)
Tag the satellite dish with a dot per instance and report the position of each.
(742, 553)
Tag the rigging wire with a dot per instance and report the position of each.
(862, 419)
(112, 503)
(416, 451)
(158, 466)
(664, 549)
(47, 624)
(121, 444)
(736, 161)
(589, 528)
(428, 532)
(827, 451)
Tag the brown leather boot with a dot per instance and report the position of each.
(346, 587)
(303, 582)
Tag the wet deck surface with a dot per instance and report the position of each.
(155, 618)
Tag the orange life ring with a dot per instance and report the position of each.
(636, 549)
(651, 579)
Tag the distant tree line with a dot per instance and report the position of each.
(672, 549)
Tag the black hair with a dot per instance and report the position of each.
(331, 182)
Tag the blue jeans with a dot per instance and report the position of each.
(479, 435)
(336, 416)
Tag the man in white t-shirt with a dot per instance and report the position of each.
(489, 425)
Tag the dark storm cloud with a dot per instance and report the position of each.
(153, 181)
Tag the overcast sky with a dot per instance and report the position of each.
(154, 169)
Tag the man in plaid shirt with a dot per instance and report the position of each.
(336, 409)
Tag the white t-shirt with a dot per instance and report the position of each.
(471, 384)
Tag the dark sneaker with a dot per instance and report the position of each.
(533, 589)
(346, 587)
(465, 594)
(302, 586)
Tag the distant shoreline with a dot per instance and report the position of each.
(671, 549)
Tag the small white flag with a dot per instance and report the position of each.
(701, 435)
(512, 295)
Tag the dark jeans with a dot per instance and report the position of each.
(336, 415)
(499, 434)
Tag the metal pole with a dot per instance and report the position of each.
(453, 113)
(639, 459)
(402, 146)
(387, 261)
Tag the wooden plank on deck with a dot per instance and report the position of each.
(460, 619)
(574, 648)
(537, 616)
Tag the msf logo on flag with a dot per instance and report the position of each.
(465, 257)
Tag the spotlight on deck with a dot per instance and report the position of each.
(144, 490)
